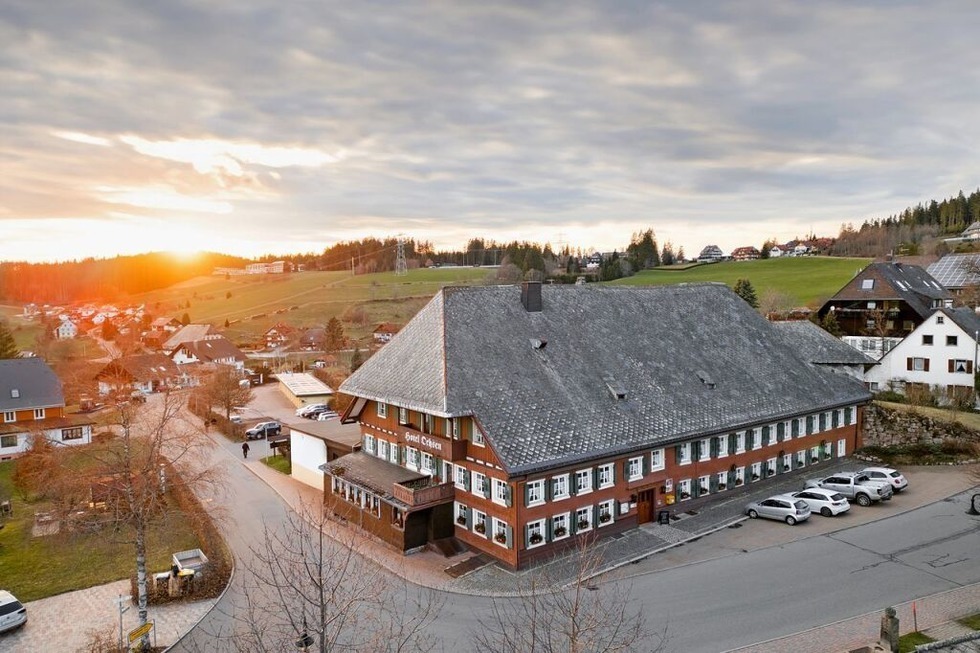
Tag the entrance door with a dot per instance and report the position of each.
(644, 505)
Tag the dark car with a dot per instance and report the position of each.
(263, 430)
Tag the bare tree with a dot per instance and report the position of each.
(553, 614)
(301, 581)
(774, 303)
(224, 389)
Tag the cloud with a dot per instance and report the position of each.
(506, 120)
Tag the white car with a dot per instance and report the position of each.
(303, 411)
(13, 614)
(827, 502)
(889, 475)
(326, 415)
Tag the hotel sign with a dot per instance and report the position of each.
(428, 443)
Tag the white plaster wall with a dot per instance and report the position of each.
(306, 455)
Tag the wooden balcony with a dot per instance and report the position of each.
(422, 492)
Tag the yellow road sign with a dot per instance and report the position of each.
(136, 633)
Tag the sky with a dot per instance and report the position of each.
(260, 127)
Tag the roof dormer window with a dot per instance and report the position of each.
(867, 284)
(14, 393)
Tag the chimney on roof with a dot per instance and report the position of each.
(531, 296)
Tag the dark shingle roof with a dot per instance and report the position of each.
(470, 351)
(819, 347)
(36, 384)
(965, 318)
(895, 281)
(141, 367)
(369, 472)
(212, 349)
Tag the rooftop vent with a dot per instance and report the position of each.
(531, 296)
(705, 379)
(14, 393)
(538, 344)
(615, 387)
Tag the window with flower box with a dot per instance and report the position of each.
(479, 522)
(535, 533)
(814, 455)
(722, 481)
(583, 481)
(559, 526)
(684, 489)
(634, 469)
(739, 476)
(501, 532)
(657, 460)
(787, 462)
(462, 515)
(559, 487)
(479, 486)
(535, 492)
(605, 475)
(605, 512)
(801, 458)
(704, 485)
(771, 467)
(583, 519)
(756, 471)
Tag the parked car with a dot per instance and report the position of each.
(316, 412)
(262, 430)
(236, 419)
(827, 502)
(13, 614)
(303, 410)
(892, 476)
(855, 486)
(783, 507)
(327, 414)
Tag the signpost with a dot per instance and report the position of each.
(139, 632)
(122, 610)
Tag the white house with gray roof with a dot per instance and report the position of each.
(517, 419)
(940, 355)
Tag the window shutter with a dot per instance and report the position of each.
(908, 363)
(466, 480)
(548, 493)
(926, 369)
(809, 424)
(612, 473)
(847, 415)
(695, 488)
(950, 361)
(527, 535)
(795, 427)
(969, 367)
(714, 447)
(595, 477)
(766, 430)
(731, 442)
(749, 439)
(713, 482)
(696, 450)
(527, 495)
(780, 431)
(644, 466)
(510, 536)
(731, 478)
(572, 484)
(508, 499)
(469, 517)
(549, 529)
(677, 453)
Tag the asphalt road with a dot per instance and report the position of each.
(714, 605)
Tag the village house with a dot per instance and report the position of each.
(144, 373)
(940, 355)
(957, 273)
(520, 419)
(32, 404)
(66, 330)
(745, 254)
(278, 335)
(711, 254)
(213, 350)
(166, 324)
(385, 332)
(188, 333)
(883, 303)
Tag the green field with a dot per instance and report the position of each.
(798, 282)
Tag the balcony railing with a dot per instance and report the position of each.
(422, 492)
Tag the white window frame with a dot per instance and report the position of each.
(500, 526)
(756, 438)
(608, 508)
(561, 479)
(723, 446)
(705, 450)
(801, 458)
(459, 476)
(704, 485)
(369, 445)
(584, 511)
(402, 415)
(685, 453)
(412, 458)
(427, 463)
(657, 461)
(393, 453)
(535, 492)
(38, 413)
(722, 481)
(771, 465)
(740, 442)
(9, 416)
(382, 451)
(756, 473)
(634, 469)
(381, 409)
(536, 526)
(498, 490)
(460, 511)
(480, 517)
(454, 428)
(739, 476)
(815, 453)
(684, 487)
(605, 475)
(841, 447)
(477, 483)
(559, 521)
(854, 416)
(787, 462)
(476, 435)
(586, 476)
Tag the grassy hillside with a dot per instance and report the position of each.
(804, 281)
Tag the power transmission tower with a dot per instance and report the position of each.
(401, 266)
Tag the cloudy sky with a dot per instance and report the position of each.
(254, 126)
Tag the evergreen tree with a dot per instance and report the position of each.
(335, 335)
(8, 348)
(830, 325)
(743, 288)
(185, 319)
(667, 254)
(355, 360)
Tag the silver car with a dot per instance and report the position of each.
(886, 474)
(13, 614)
(783, 507)
(827, 502)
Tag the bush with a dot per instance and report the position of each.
(891, 396)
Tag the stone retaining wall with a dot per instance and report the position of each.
(885, 427)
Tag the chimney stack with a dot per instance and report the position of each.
(531, 296)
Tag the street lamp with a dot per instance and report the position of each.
(305, 640)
